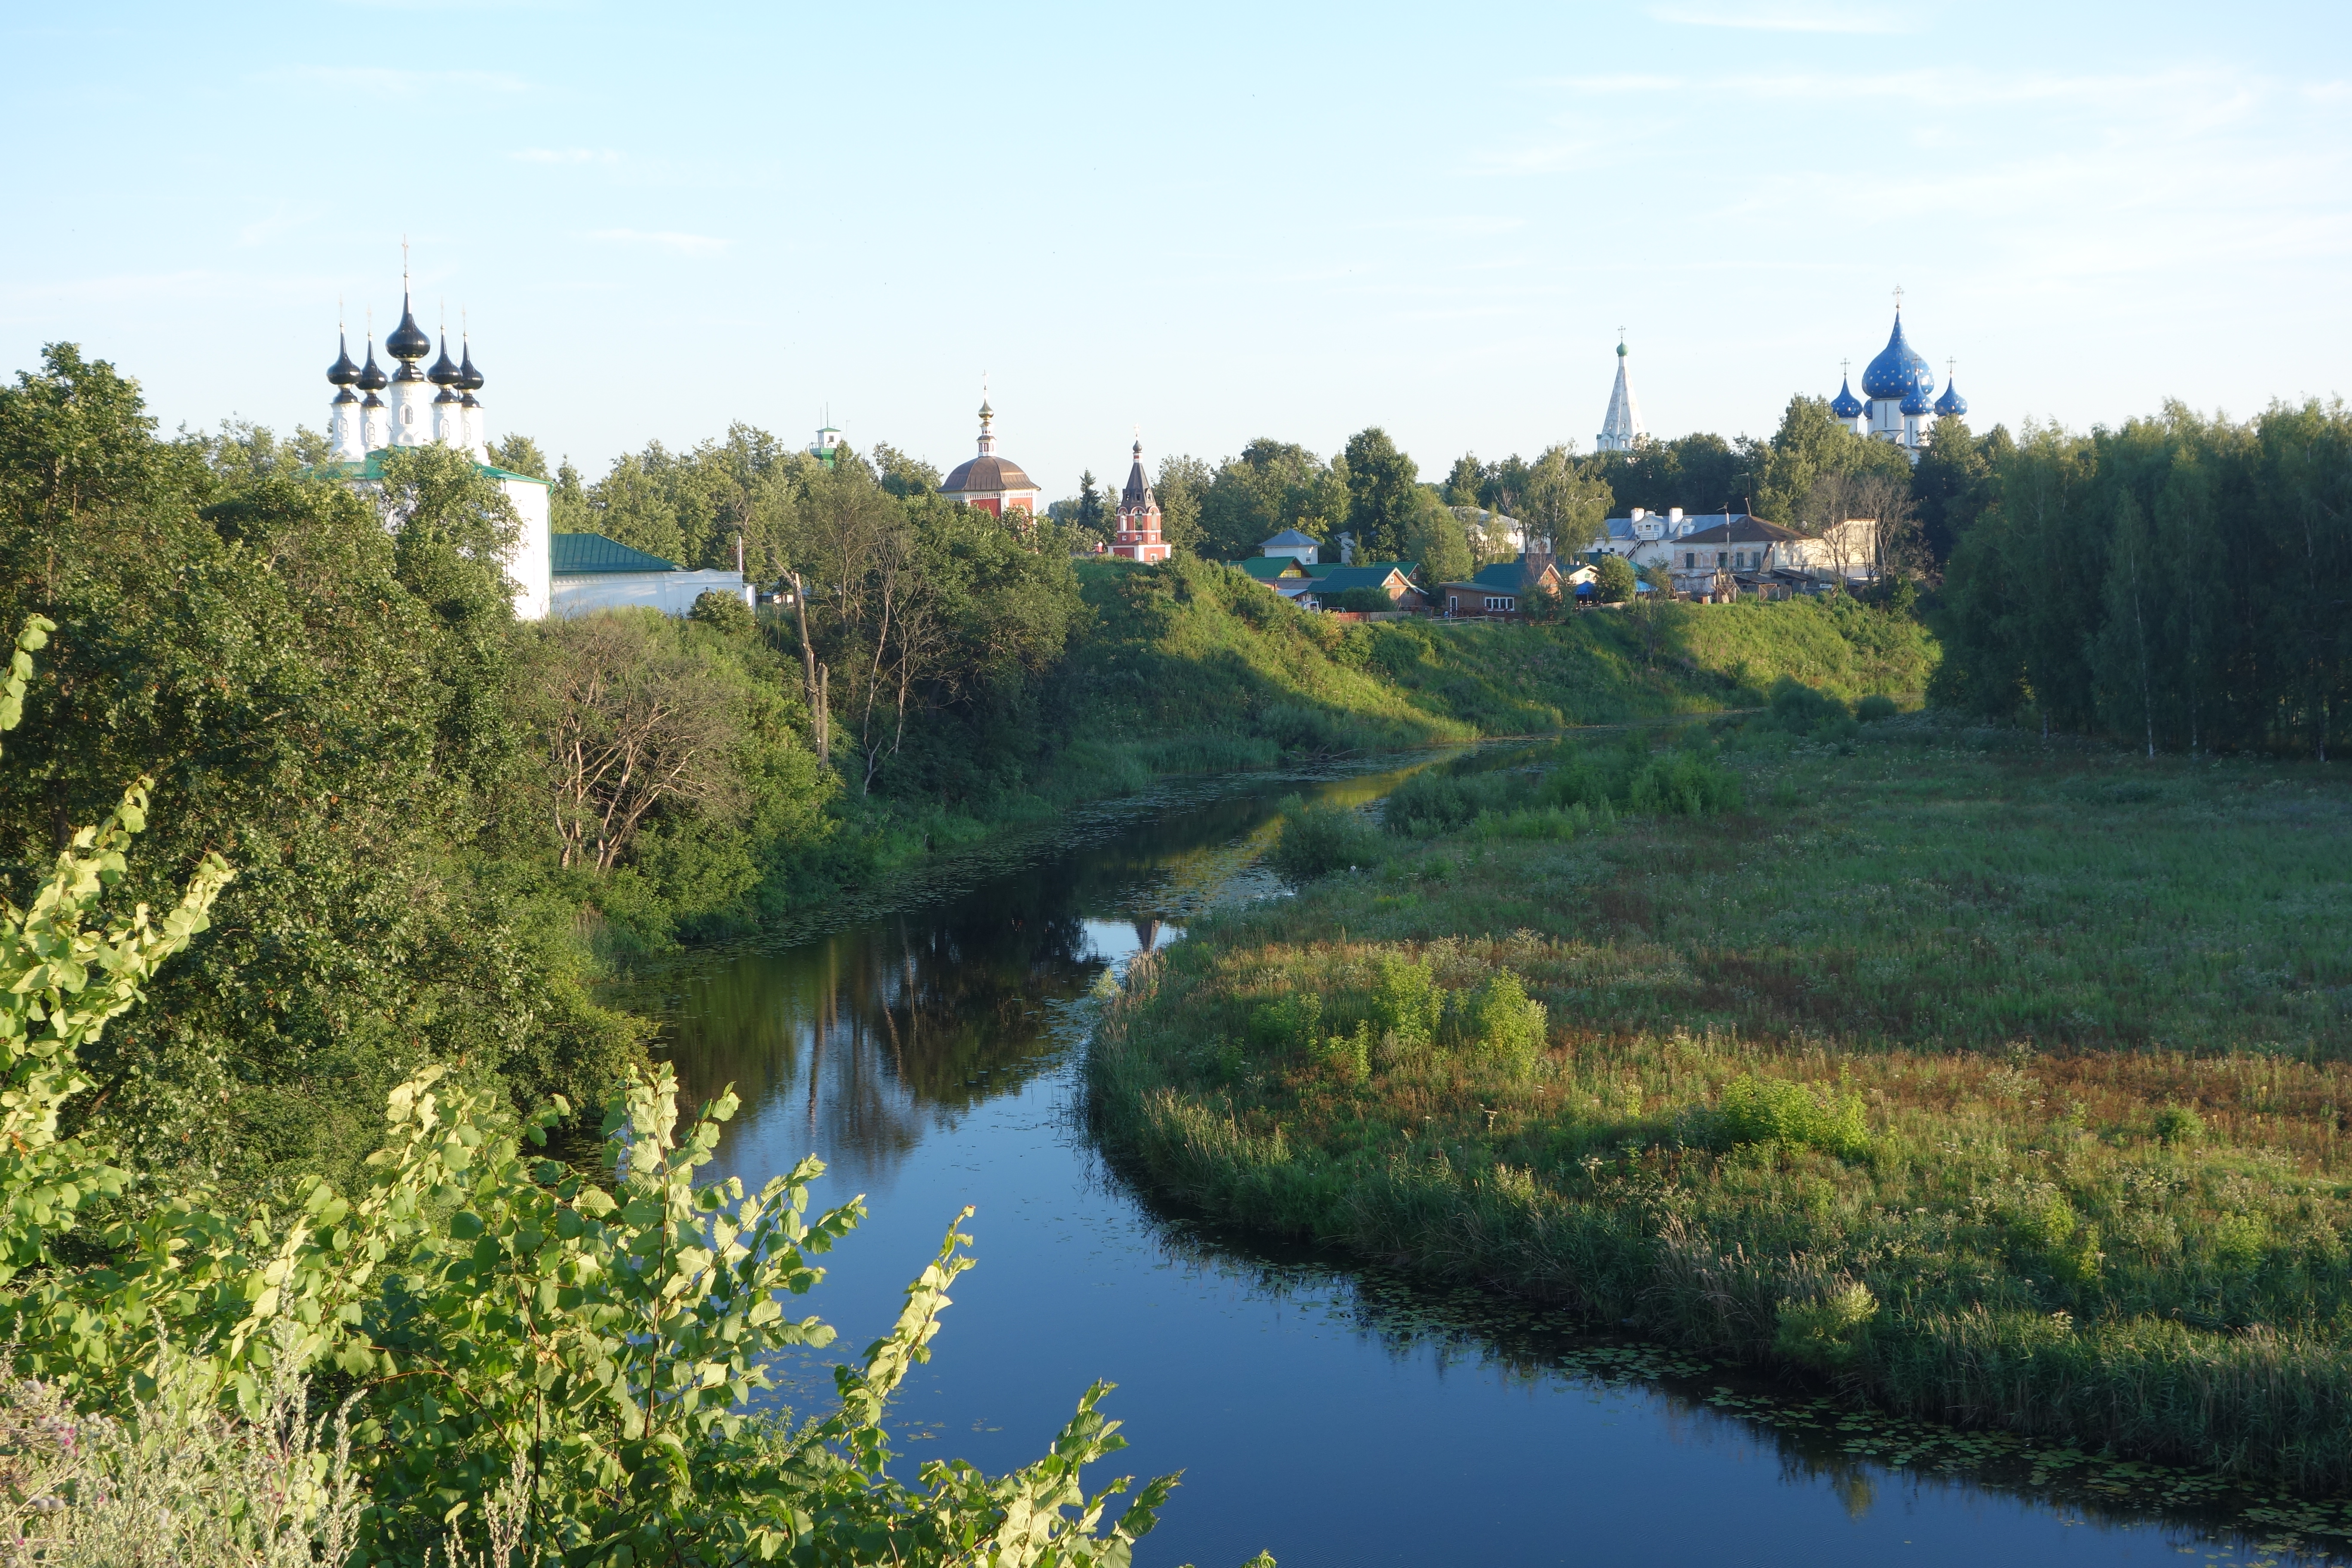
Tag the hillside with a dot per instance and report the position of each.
(1192, 665)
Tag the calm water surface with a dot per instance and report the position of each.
(930, 1057)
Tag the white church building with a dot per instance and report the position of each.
(560, 574)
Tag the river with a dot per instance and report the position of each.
(931, 1058)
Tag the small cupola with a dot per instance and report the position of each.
(445, 373)
(343, 373)
(371, 379)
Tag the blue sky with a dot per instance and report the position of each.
(1215, 222)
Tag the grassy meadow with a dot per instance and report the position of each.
(2004, 1083)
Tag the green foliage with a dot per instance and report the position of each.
(1794, 1115)
(1875, 707)
(1682, 784)
(1408, 1003)
(1810, 712)
(2177, 1125)
(2106, 582)
(2130, 1237)
(1825, 1334)
(1387, 505)
(1289, 1024)
(725, 611)
(320, 681)
(567, 1358)
(1504, 1023)
(1613, 582)
(1317, 841)
(1271, 486)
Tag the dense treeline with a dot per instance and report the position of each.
(320, 684)
(2181, 582)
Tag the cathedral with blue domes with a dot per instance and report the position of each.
(1900, 388)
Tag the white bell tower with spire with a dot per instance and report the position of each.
(1620, 428)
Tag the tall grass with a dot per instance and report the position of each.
(1838, 1085)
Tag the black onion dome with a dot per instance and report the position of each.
(371, 378)
(343, 373)
(445, 371)
(472, 381)
(408, 340)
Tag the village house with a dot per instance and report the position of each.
(1394, 578)
(1506, 588)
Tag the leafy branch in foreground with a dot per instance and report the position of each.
(527, 1362)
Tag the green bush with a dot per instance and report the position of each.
(1683, 784)
(1361, 600)
(1826, 1335)
(1289, 1024)
(1809, 711)
(2177, 1124)
(1505, 1023)
(1407, 1000)
(1794, 1115)
(1613, 580)
(1317, 841)
(1875, 707)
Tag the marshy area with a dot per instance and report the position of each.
(1991, 1083)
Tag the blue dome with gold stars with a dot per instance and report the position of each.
(1898, 371)
(1951, 403)
(1845, 404)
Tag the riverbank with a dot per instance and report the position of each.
(1996, 1083)
(1191, 668)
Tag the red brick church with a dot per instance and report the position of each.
(1138, 517)
(993, 484)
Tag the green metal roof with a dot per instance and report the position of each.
(583, 554)
(1363, 574)
(372, 467)
(1267, 567)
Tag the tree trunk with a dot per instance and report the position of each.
(813, 674)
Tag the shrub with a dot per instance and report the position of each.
(1362, 599)
(1794, 1115)
(1613, 580)
(2179, 1125)
(1683, 784)
(1350, 1056)
(1806, 710)
(1290, 1024)
(1875, 707)
(1826, 1335)
(1505, 1023)
(1407, 1000)
(1317, 841)
(726, 611)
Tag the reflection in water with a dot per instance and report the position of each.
(881, 1034)
(930, 1058)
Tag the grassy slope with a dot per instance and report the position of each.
(1193, 668)
(1194, 655)
(2027, 965)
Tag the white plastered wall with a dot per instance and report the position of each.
(671, 593)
